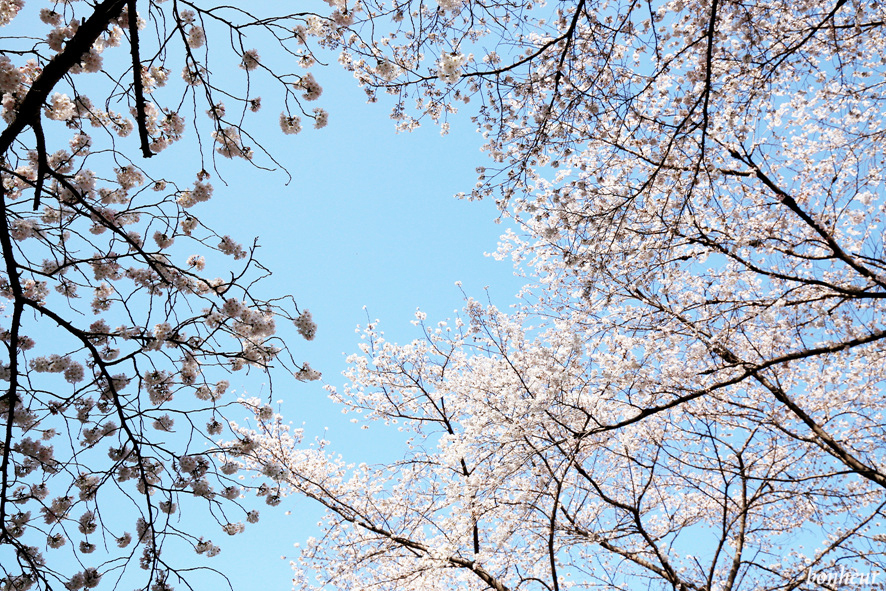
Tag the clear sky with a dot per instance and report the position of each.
(369, 219)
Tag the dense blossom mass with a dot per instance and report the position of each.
(691, 394)
(123, 312)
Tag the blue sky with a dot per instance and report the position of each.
(369, 219)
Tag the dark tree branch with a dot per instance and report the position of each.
(42, 164)
(137, 84)
(87, 34)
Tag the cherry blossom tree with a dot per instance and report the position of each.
(123, 312)
(691, 392)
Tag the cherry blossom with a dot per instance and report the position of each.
(117, 340)
(689, 394)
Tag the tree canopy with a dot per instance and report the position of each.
(690, 395)
(124, 312)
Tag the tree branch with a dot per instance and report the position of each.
(137, 84)
(87, 34)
